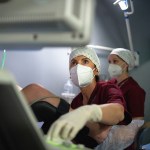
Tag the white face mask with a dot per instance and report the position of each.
(81, 75)
(114, 70)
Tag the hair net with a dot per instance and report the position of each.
(87, 52)
(126, 55)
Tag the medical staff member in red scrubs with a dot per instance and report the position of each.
(99, 104)
(121, 61)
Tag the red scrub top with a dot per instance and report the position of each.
(104, 92)
(134, 96)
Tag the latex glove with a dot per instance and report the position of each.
(68, 125)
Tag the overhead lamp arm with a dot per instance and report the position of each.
(132, 8)
(126, 15)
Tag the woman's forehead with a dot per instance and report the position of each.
(80, 57)
(113, 56)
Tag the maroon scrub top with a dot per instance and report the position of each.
(104, 93)
(134, 96)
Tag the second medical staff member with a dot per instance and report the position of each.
(121, 62)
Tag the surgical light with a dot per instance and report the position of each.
(122, 3)
(124, 6)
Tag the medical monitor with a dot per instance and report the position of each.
(18, 128)
(42, 23)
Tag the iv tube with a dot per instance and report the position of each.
(3, 59)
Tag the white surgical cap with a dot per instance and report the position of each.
(87, 52)
(125, 55)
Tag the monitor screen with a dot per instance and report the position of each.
(18, 126)
(42, 23)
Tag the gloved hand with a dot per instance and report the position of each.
(68, 125)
